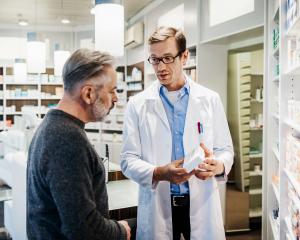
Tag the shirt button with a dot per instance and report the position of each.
(177, 149)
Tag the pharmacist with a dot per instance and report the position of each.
(163, 124)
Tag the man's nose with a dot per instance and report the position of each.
(161, 65)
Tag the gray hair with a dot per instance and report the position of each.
(84, 64)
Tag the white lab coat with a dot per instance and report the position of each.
(147, 143)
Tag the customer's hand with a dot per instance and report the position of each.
(126, 226)
(210, 167)
(172, 172)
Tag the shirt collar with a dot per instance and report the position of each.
(184, 90)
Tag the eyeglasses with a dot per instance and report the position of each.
(165, 60)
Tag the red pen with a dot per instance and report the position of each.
(199, 127)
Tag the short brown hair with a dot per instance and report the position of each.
(84, 64)
(163, 33)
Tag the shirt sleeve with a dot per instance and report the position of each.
(70, 180)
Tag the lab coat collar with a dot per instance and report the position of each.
(152, 97)
(153, 91)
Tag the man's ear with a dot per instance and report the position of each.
(185, 56)
(88, 94)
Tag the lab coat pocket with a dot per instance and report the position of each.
(207, 135)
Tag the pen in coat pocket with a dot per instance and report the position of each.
(200, 127)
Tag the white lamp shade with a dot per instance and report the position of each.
(60, 57)
(109, 28)
(20, 72)
(36, 57)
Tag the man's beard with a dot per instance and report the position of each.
(99, 111)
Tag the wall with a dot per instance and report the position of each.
(245, 22)
(212, 68)
(64, 39)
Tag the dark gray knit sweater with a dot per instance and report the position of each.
(66, 191)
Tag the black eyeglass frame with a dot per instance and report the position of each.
(161, 59)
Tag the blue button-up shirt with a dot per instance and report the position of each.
(176, 116)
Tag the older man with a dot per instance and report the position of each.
(66, 192)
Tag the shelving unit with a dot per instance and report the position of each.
(245, 106)
(134, 79)
(35, 94)
(282, 107)
(191, 66)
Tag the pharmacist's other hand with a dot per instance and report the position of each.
(127, 228)
(210, 167)
(172, 172)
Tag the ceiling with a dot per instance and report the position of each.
(51, 12)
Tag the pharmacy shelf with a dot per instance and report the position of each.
(14, 113)
(293, 181)
(274, 24)
(21, 83)
(276, 191)
(295, 27)
(52, 84)
(290, 232)
(276, 79)
(276, 117)
(259, 155)
(256, 129)
(274, 228)
(276, 153)
(257, 101)
(51, 98)
(293, 125)
(256, 212)
(190, 67)
(293, 71)
(255, 173)
(276, 14)
(257, 191)
(5, 194)
(21, 98)
(276, 51)
(135, 81)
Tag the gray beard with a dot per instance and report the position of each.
(99, 111)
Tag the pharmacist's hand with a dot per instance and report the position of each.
(209, 167)
(172, 172)
(127, 228)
